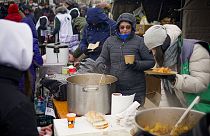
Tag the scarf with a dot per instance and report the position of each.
(124, 36)
(170, 55)
(170, 59)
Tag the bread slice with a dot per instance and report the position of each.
(97, 119)
(93, 116)
(100, 123)
(102, 127)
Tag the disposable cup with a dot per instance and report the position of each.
(129, 59)
(65, 70)
(117, 94)
(71, 119)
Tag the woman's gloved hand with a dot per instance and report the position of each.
(131, 66)
(171, 78)
(88, 51)
(101, 68)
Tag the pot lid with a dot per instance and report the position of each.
(57, 45)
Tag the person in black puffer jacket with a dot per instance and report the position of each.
(131, 77)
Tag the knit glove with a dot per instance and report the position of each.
(101, 68)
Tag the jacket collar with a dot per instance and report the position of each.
(10, 73)
(129, 37)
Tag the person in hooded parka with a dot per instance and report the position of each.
(131, 77)
(99, 27)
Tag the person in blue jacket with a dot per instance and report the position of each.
(99, 27)
(37, 58)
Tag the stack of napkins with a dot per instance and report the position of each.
(126, 117)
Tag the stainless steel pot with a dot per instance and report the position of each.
(57, 53)
(165, 115)
(84, 93)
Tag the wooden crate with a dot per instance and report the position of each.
(141, 29)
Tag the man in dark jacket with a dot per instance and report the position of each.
(131, 77)
(73, 8)
(98, 29)
(27, 11)
(17, 115)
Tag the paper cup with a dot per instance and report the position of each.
(129, 59)
(71, 119)
(117, 94)
(65, 70)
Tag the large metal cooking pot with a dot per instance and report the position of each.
(57, 53)
(84, 93)
(166, 115)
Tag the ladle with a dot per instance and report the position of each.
(196, 100)
(101, 78)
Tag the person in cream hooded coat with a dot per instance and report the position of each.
(17, 115)
(189, 57)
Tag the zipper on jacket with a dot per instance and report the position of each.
(121, 59)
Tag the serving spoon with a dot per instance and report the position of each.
(195, 101)
(101, 78)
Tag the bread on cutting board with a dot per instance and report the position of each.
(97, 119)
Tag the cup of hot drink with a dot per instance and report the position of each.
(129, 59)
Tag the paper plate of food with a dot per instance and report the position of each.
(160, 71)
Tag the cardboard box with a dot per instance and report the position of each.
(152, 101)
(152, 85)
(141, 29)
(153, 88)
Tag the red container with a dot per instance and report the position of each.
(72, 70)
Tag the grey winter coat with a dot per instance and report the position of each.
(130, 81)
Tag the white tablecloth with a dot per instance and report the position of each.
(84, 128)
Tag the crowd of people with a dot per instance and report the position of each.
(79, 26)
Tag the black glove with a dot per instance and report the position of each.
(88, 51)
(131, 66)
(101, 68)
(171, 78)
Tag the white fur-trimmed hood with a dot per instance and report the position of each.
(16, 45)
